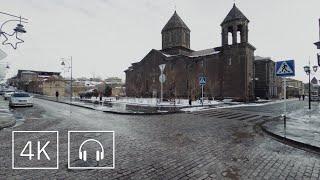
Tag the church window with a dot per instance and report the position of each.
(229, 38)
(183, 37)
(238, 36)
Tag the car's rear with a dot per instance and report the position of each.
(21, 100)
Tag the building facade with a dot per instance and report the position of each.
(265, 86)
(295, 88)
(26, 79)
(47, 86)
(228, 68)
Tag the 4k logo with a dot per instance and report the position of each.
(38, 151)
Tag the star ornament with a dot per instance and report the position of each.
(12, 39)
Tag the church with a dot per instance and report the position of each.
(228, 69)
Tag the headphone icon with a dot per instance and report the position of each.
(83, 155)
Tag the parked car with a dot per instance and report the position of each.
(21, 99)
(7, 95)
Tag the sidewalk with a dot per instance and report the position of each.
(302, 127)
(149, 106)
(6, 118)
(106, 106)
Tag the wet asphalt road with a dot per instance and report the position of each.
(278, 108)
(222, 144)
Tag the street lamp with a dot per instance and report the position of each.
(67, 63)
(308, 72)
(19, 29)
(315, 68)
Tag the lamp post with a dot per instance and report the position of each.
(308, 72)
(19, 29)
(69, 66)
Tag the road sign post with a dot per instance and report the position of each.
(285, 102)
(285, 69)
(202, 94)
(202, 82)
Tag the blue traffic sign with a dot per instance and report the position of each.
(285, 68)
(202, 80)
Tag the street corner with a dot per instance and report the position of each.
(35, 150)
(91, 150)
(295, 132)
(6, 120)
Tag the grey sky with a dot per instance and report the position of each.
(106, 36)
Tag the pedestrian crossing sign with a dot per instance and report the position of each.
(285, 68)
(202, 80)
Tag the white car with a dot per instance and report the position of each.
(7, 95)
(21, 99)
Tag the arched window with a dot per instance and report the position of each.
(229, 38)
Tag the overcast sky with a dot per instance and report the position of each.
(105, 36)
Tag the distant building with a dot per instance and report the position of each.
(228, 68)
(77, 87)
(315, 87)
(48, 86)
(295, 88)
(119, 91)
(265, 86)
(28, 76)
(113, 80)
(24, 77)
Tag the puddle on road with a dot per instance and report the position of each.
(19, 119)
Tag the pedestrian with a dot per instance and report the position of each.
(57, 95)
(299, 97)
(303, 96)
(100, 97)
(190, 101)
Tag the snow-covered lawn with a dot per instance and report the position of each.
(155, 101)
(181, 103)
(229, 104)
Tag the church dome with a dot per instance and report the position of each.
(175, 22)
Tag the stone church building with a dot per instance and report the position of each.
(228, 68)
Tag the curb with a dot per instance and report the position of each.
(8, 124)
(112, 112)
(141, 114)
(287, 141)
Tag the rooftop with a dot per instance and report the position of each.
(175, 22)
(234, 14)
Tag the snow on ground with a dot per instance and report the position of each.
(229, 104)
(155, 101)
(194, 109)
(248, 104)
(182, 103)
